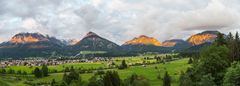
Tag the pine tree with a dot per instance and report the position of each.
(71, 78)
(207, 80)
(237, 37)
(67, 69)
(220, 40)
(116, 79)
(37, 72)
(94, 81)
(158, 75)
(64, 76)
(190, 61)
(3, 71)
(230, 37)
(71, 69)
(231, 77)
(53, 82)
(230, 45)
(237, 49)
(136, 80)
(11, 71)
(24, 73)
(166, 80)
(123, 65)
(107, 79)
(133, 78)
(111, 78)
(185, 80)
(19, 72)
(233, 44)
(45, 70)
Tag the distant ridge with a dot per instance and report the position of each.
(176, 43)
(36, 44)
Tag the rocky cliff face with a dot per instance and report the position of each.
(200, 38)
(143, 40)
(28, 38)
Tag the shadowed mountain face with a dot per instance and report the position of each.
(143, 40)
(200, 38)
(197, 48)
(94, 42)
(175, 42)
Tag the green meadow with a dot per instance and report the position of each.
(90, 65)
(149, 71)
(59, 68)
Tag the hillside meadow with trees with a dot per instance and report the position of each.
(141, 70)
(217, 65)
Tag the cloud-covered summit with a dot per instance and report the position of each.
(117, 20)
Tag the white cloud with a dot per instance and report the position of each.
(215, 16)
(30, 23)
(117, 20)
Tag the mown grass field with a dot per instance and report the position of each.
(150, 71)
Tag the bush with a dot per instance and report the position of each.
(123, 65)
(111, 78)
(135, 80)
(99, 73)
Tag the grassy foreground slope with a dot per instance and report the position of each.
(150, 72)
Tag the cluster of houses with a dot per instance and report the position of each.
(40, 62)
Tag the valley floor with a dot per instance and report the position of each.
(174, 68)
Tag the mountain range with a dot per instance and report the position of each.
(93, 42)
(36, 44)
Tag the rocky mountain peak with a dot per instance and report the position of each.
(28, 38)
(200, 38)
(143, 40)
(90, 34)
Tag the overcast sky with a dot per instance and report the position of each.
(118, 20)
